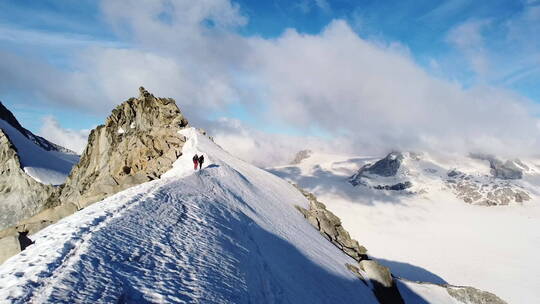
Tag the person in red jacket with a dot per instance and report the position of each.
(195, 161)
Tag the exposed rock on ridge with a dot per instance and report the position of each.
(329, 225)
(386, 167)
(485, 190)
(138, 143)
(20, 194)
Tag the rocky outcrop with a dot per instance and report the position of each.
(387, 166)
(506, 170)
(377, 276)
(300, 156)
(473, 296)
(330, 227)
(485, 190)
(383, 174)
(20, 195)
(461, 294)
(138, 143)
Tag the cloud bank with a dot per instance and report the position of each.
(70, 139)
(367, 96)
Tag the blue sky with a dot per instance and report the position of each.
(466, 43)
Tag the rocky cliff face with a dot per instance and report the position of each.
(138, 143)
(20, 195)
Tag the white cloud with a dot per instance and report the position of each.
(468, 38)
(382, 99)
(266, 149)
(368, 95)
(70, 139)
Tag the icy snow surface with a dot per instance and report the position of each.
(226, 234)
(47, 167)
(431, 235)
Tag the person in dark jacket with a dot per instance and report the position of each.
(201, 161)
(195, 161)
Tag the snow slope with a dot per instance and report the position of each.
(226, 234)
(432, 235)
(47, 167)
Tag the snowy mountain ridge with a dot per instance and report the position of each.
(223, 234)
(226, 234)
(479, 180)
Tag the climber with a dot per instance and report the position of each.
(201, 161)
(195, 161)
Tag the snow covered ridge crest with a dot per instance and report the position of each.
(146, 148)
(490, 181)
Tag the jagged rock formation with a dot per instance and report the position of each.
(21, 196)
(507, 170)
(300, 156)
(138, 143)
(462, 294)
(329, 225)
(387, 167)
(484, 190)
(473, 295)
